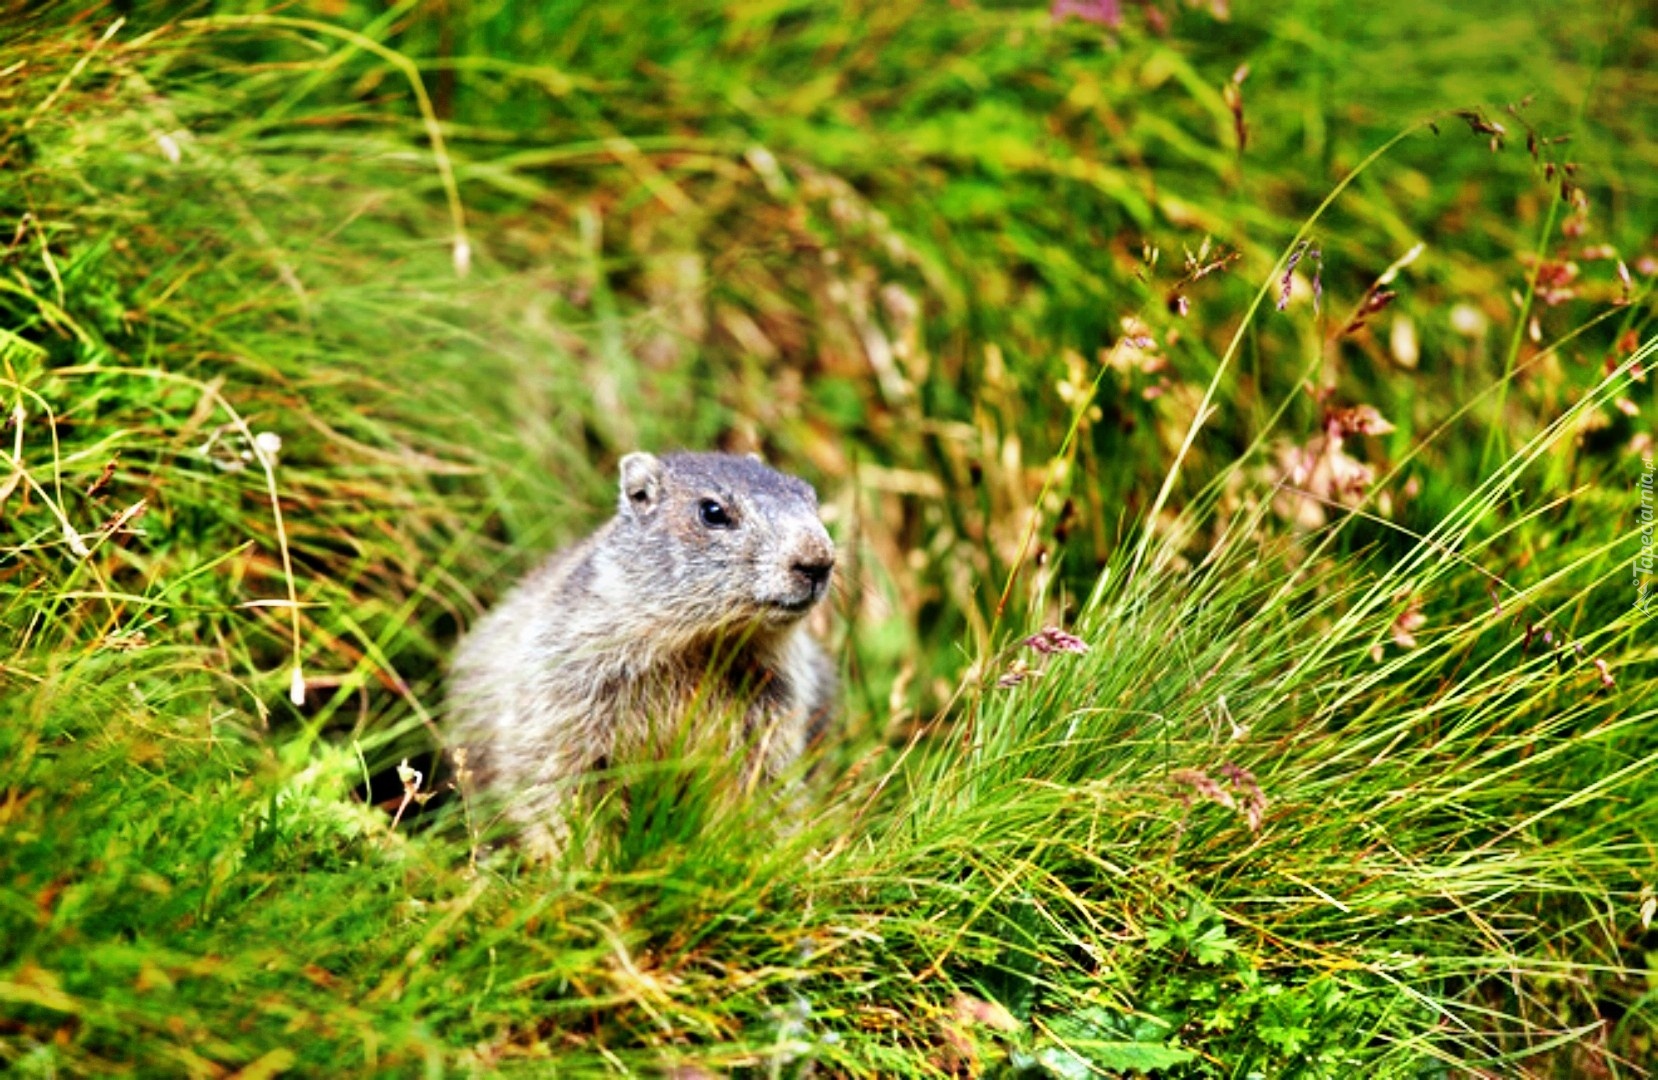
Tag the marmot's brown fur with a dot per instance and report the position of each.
(686, 606)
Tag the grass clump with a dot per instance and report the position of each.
(315, 329)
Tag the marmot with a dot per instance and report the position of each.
(687, 605)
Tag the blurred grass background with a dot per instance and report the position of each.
(322, 321)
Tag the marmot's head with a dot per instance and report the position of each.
(722, 541)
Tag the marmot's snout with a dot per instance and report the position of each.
(813, 562)
(809, 563)
(816, 574)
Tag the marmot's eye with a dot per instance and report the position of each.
(713, 515)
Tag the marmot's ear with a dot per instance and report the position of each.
(641, 482)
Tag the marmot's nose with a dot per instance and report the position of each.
(815, 569)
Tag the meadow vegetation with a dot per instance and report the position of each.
(1236, 424)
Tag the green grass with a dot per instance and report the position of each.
(1360, 780)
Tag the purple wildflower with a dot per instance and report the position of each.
(1254, 799)
(1246, 796)
(1289, 273)
(1052, 639)
(1107, 13)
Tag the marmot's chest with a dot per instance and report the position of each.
(694, 710)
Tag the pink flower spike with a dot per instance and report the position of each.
(1052, 639)
(1107, 13)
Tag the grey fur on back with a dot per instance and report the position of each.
(687, 605)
